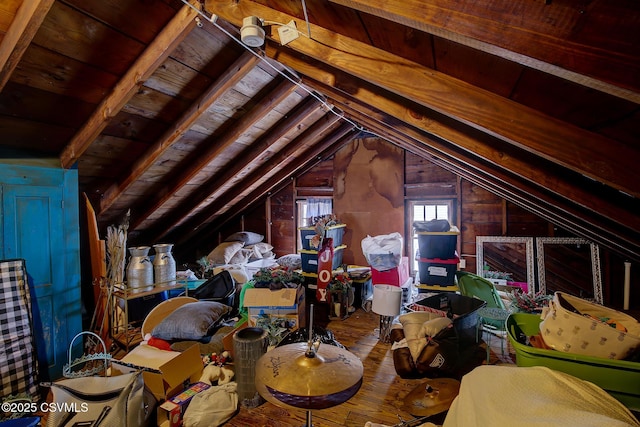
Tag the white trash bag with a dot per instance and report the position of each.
(383, 252)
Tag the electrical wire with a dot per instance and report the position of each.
(306, 17)
(213, 19)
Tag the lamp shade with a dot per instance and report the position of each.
(387, 300)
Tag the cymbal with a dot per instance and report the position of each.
(431, 397)
(290, 376)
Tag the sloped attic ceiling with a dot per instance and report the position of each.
(164, 112)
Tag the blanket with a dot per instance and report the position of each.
(506, 396)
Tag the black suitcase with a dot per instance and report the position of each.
(220, 288)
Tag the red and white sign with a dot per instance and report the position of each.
(325, 269)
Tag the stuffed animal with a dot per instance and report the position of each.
(213, 373)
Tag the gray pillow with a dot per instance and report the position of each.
(292, 261)
(192, 321)
(247, 237)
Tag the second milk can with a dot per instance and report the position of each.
(164, 266)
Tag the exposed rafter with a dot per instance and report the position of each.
(533, 47)
(584, 152)
(240, 68)
(255, 151)
(161, 47)
(22, 30)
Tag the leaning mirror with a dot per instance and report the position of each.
(512, 256)
(570, 265)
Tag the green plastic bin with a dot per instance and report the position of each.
(619, 378)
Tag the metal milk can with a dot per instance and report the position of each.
(139, 270)
(164, 266)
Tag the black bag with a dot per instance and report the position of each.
(434, 225)
(220, 288)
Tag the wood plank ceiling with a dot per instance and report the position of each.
(165, 112)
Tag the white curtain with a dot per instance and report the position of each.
(317, 208)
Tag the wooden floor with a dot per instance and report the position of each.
(382, 389)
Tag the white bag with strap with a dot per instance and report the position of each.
(575, 325)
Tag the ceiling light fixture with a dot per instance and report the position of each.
(252, 34)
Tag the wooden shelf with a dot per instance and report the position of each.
(131, 336)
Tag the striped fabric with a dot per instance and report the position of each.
(18, 359)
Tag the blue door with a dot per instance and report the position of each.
(40, 225)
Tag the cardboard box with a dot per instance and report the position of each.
(396, 276)
(173, 408)
(288, 303)
(227, 340)
(171, 369)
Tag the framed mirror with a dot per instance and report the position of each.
(570, 265)
(512, 255)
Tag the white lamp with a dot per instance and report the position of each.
(252, 34)
(387, 302)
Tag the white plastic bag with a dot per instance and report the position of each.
(383, 252)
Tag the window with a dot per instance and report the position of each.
(426, 211)
(309, 210)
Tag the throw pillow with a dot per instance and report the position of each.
(192, 321)
(246, 237)
(292, 261)
(223, 253)
(241, 257)
(259, 250)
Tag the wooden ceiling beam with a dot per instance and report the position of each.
(346, 91)
(258, 149)
(277, 163)
(542, 36)
(530, 197)
(16, 40)
(584, 152)
(236, 72)
(154, 55)
(211, 148)
(312, 156)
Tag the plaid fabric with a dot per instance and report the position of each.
(18, 359)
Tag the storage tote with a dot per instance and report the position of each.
(437, 271)
(619, 378)
(336, 232)
(438, 244)
(575, 325)
(461, 309)
(310, 259)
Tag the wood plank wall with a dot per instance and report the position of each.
(367, 194)
(479, 211)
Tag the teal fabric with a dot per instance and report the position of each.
(241, 308)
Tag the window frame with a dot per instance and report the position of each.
(300, 220)
(412, 242)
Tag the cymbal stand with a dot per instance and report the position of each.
(311, 352)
